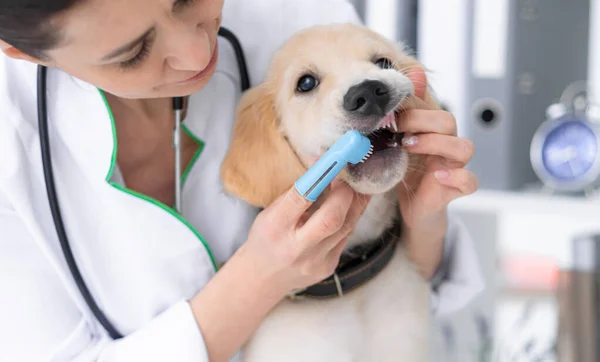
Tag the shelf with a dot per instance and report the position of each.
(529, 223)
(527, 202)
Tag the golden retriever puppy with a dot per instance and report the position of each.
(325, 81)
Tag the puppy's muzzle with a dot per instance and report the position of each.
(367, 99)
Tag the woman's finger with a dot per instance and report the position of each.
(330, 249)
(462, 181)
(334, 254)
(359, 205)
(453, 148)
(331, 215)
(427, 121)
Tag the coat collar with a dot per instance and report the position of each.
(84, 121)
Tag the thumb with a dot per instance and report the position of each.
(290, 207)
(418, 78)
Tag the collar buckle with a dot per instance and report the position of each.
(338, 285)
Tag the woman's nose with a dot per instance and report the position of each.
(192, 50)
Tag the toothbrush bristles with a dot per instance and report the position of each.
(368, 154)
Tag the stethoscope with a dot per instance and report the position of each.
(49, 177)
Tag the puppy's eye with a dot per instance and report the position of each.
(384, 63)
(306, 83)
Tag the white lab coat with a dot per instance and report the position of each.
(141, 261)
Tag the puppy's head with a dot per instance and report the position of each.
(323, 82)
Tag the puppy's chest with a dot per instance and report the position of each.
(388, 317)
(379, 216)
(385, 318)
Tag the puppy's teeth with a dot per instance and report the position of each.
(395, 126)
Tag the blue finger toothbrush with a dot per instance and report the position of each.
(353, 148)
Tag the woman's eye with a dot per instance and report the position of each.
(306, 83)
(384, 63)
(137, 59)
(141, 55)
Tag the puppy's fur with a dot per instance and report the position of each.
(279, 133)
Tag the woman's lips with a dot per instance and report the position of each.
(207, 69)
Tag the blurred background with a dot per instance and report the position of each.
(520, 78)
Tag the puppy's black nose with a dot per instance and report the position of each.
(369, 98)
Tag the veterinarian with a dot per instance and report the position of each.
(96, 260)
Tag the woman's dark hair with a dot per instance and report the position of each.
(27, 24)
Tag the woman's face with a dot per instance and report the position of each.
(141, 48)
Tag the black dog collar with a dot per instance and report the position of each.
(354, 271)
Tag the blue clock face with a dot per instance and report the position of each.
(570, 150)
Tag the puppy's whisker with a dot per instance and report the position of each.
(420, 82)
(372, 218)
(416, 80)
(411, 71)
(406, 69)
(410, 191)
(391, 202)
(394, 235)
(395, 64)
(416, 164)
(416, 170)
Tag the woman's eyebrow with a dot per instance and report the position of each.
(127, 47)
(178, 5)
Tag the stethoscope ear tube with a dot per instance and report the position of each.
(55, 208)
(239, 56)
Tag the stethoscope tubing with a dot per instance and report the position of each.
(51, 187)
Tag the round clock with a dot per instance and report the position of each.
(565, 150)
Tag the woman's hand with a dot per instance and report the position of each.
(436, 178)
(287, 248)
(295, 249)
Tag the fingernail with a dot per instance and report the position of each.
(442, 174)
(410, 141)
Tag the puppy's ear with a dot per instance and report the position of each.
(260, 164)
(426, 101)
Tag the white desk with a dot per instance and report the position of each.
(505, 225)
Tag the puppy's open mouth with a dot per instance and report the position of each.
(387, 151)
(383, 138)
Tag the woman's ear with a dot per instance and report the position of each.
(260, 164)
(15, 53)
